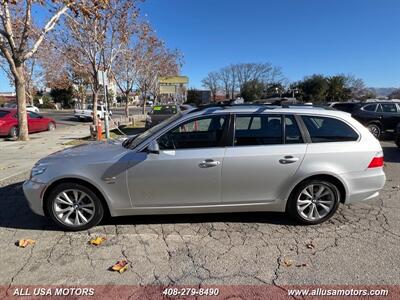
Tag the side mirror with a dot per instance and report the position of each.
(153, 148)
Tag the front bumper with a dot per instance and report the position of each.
(34, 195)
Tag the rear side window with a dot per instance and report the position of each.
(389, 108)
(3, 113)
(325, 129)
(256, 130)
(370, 107)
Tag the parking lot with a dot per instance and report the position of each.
(360, 245)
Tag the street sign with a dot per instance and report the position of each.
(167, 89)
(173, 80)
(102, 78)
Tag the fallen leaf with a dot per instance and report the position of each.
(97, 241)
(287, 262)
(25, 243)
(310, 245)
(301, 265)
(121, 266)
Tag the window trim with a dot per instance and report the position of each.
(331, 117)
(157, 135)
(388, 112)
(283, 124)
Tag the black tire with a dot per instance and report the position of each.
(14, 132)
(375, 130)
(98, 206)
(291, 207)
(51, 126)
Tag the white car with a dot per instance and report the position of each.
(32, 108)
(88, 113)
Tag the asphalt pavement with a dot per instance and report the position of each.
(359, 245)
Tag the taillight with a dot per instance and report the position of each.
(376, 162)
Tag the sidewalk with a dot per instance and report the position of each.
(19, 157)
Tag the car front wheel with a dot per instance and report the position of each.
(314, 201)
(74, 207)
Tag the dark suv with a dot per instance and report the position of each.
(379, 117)
(346, 106)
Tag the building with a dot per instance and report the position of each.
(7, 97)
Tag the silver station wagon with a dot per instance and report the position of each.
(305, 161)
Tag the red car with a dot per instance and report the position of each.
(36, 122)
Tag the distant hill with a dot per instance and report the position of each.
(383, 91)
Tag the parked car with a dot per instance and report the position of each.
(87, 114)
(379, 117)
(10, 105)
(397, 136)
(36, 122)
(161, 112)
(346, 106)
(32, 108)
(215, 159)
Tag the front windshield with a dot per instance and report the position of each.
(133, 142)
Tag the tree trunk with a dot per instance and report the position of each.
(20, 86)
(127, 105)
(144, 101)
(95, 101)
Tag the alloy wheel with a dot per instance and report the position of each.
(374, 130)
(315, 202)
(74, 207)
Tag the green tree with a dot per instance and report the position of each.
(394, 95)
(338, 89)
(63, 96)
(313, 88)
(252, 90)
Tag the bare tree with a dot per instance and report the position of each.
(20, 39)
(125, 74)
(261, 72)
(95, 43)
(211, 81)
(228, 78)
(154, 59)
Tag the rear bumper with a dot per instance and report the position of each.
(364, 185)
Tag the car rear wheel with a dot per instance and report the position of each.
(51, 126)
(74, 207)
(375, 130)
(314, 201)
(14, 132)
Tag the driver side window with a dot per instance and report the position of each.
(206, 132)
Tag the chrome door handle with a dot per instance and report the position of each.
(288, 160)
(209, 163)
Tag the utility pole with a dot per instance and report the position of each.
(105, 87)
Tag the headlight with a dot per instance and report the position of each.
(36, 171)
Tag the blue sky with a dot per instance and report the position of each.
(360, 37)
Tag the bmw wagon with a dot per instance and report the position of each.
(234, 158)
